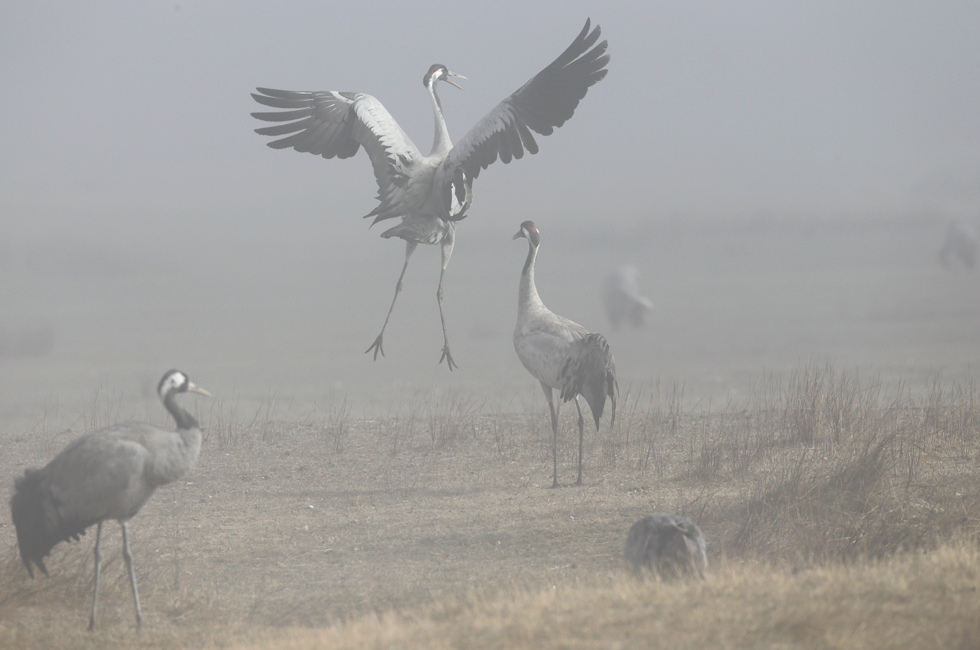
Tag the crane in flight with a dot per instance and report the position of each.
(432, 193)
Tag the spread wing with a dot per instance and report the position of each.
(541, 105)
(336, 124)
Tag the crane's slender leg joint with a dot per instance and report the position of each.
(581, 435)
(447, 251)
(377, 345)
(128, 557)
(98, 567)
(554, 433)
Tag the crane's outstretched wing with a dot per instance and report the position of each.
(541, 105)
(330, 124)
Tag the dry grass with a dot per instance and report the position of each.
(916, 601)
(829, 503)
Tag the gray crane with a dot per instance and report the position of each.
(105, 474)
(671, 545)
(960, 245)
(561, 354)
(621, 297)
(432, 193)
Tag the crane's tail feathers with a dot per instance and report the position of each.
(35, 517)
(27, 512)
(590, 371)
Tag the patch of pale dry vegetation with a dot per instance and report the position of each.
(838, 512)
(909, 601)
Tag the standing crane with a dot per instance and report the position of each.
(105, 474)
(432, 193)
(561, 354)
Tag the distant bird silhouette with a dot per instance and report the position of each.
(671, 545)
(621, 297)
(105, 474)
(960, 245)
(561, 354)
(432, 193)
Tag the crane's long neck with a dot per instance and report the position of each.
(527, 297)
(440, 141)
(172, 461)
(184, 419)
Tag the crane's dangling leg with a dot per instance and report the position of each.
(376, 346)
(132, 572)
(581, 435)
(98, 566)
(554, 431)
(447, 251)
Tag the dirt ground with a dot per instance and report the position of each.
(284, 524)
(330, 486)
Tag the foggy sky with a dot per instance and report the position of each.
(144, 225)
(128, 121)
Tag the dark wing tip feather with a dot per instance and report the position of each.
(283, 116)
(318, 123)
(282, 129)
(582, 42)
(541, 105)
(281, 94)
(284, 99)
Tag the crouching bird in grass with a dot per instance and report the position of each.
(561, 354)
(670, 545)
(105, 474)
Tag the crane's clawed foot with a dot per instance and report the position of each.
(448, 357)
(376, 346)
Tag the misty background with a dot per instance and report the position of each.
(781, 172)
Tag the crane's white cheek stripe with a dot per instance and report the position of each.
(175, 380)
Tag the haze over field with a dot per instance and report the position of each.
(732, 153)
(781, 174)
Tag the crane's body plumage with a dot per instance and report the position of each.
(561, 354)
(111, 473)
(431, 193)
(106, 474)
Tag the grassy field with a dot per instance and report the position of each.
(840, 511)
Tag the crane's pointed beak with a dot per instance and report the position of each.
(451, 82)
(523, 233)
(194, 388)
